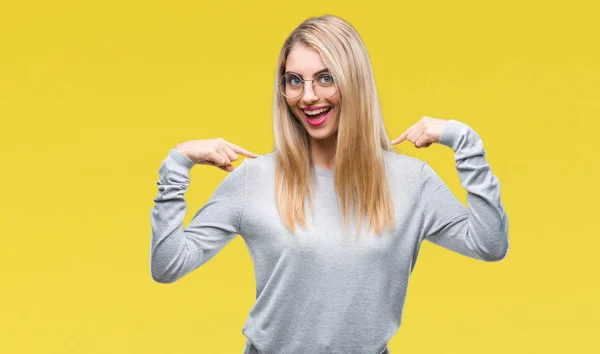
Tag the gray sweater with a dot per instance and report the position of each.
(318, 291)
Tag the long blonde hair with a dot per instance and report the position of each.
(359, 169)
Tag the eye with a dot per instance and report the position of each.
(326, 79)
(294, 80)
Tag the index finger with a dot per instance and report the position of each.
(400, 139)
(240, 150)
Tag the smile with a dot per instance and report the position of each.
(316, 111)
(317, 117)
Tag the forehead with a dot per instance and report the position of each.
(303, 60)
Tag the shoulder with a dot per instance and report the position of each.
(398, 163)
(404, 172)
(263, 163)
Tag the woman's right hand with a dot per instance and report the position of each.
(216, 152)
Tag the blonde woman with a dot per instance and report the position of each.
(333, 218)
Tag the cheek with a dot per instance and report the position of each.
(335, 100)
(292, 102)
(293, 105)
(336, 104)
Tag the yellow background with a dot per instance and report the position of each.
(93, 94)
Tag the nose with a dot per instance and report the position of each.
(309, 96)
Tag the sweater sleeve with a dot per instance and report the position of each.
(175, 251)
(479, 231)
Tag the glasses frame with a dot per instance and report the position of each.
(280, 87)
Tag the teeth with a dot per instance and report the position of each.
(312, 113)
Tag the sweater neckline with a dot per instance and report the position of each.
(323, 171)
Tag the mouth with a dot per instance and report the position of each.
(317, 117)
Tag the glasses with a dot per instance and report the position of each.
(292, 85)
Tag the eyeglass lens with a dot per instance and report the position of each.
(292, 85)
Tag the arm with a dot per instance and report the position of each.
(479, 231)
(175, 251)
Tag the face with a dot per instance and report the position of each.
(306, 63)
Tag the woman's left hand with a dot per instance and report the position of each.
(423, 133)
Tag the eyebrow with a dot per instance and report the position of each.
(315, 74)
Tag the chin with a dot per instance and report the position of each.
(322, 135)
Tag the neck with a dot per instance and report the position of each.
(323, 152)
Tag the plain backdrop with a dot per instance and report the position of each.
(94, 94)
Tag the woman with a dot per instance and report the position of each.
(318, 290)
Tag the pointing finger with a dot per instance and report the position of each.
(230, 153)
(241, 150)
(401, 138)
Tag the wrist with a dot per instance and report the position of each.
(182, 151)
